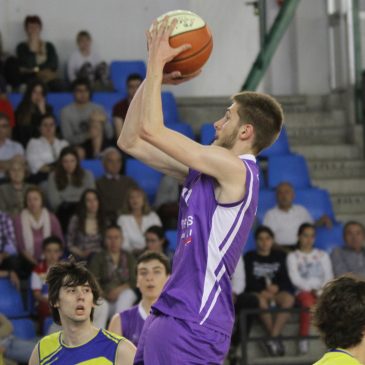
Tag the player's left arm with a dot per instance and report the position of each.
(125, 353)
(212, 160)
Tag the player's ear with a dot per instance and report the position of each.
(245, 132)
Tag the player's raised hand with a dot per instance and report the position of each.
(176, 78)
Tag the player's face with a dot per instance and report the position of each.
(306, 238)
(354, 237)
(52, 253)
(153, 242)
(227, 128)
(75, 303)
(264, 243)
(151, 278)
(284, 196)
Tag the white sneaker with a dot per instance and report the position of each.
(303, 347)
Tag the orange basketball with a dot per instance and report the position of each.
(192, 29)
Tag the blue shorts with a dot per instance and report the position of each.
(168, 340)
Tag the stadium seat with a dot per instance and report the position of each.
(120, 70)
(107, 100)
(24, 328)
(288, 168)
(47, 324)
(146, 177)
(317, 201)
(267, 200)
(95, 166)
(280, 147)
(329, 238)
(182, 128)
(207, 133)
(15, 99)
(58, 102)
(169, 108)
(250, 243)
(262, 178)
(11, 304)
(171, 236)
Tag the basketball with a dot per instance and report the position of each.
(191, 29)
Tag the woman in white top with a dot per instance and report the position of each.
(83, 56)
(137, 220)
(309, 270)
(42, 153)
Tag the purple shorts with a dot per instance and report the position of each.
(168, 340)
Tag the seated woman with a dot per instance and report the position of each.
(66, 184)
(157, 242)
(138, 218)
(97, 141)
(86, 227)
(115, 270)
(29, 112)
(12, 193)
(32, 226)
(267, 277)
(37, 58)
(309, 270)
(43, 152)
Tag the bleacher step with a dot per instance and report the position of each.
(349, 203)
(323, 135)
(342, 186)
(329, 152)
(314, 119)
(328, 169)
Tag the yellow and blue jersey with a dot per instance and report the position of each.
(337, 357)
(100, 350)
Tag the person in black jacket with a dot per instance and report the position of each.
(268, 278)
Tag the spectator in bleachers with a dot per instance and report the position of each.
(153, 270)
(13, 347)
(285, 218)
(43, 152)
(120, 109)
(32, 226)
(86, 227)
(242, 300)
(8, 262)
(29, 112)
(167, 201)
(138, 217)
(351, 257)
(37, 58)
(309, 270)
(52, 249)
(113, 186)
(5, 105)
(8, 148)
(267, 277)
(75, 116)
(97, 141)
(66, 184)
(157, 242)
(114, 268)
(12, 193)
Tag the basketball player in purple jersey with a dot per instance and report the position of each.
(191, 322)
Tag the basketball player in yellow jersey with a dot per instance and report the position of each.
(73, 294)
(340, 317)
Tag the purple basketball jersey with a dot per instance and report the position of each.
(132, 321)
(211, 237)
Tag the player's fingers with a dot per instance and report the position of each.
(171, 26)
(182, 48)
(154, 28)
(163, 26)
(149, 38)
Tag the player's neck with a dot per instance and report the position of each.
(358, 352)
(77, 334)
(241, 148)
(147, 304)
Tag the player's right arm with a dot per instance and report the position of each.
(34, 359)
(125, 353)
(130, 142)
(115, 325)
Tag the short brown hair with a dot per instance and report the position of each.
(339, 313)
(264, 113)
(69, 274)
(32, 19)
(83, 34)
(152, 255)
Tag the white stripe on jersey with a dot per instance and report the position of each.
(222, 222)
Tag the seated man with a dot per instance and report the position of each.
(340, 318)
(285, 218)
(120, 109)
(75, 116)
(153, 270)
(8, 148)
(113, 186)
(351, 257)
